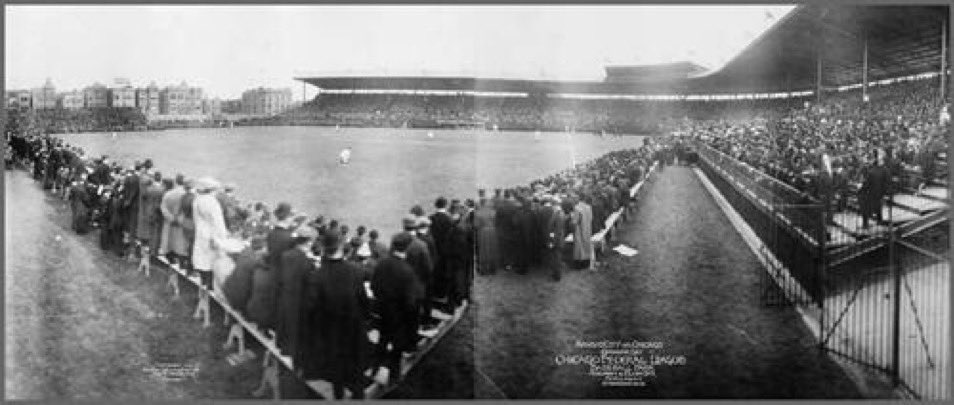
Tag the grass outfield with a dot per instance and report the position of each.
(390, 169)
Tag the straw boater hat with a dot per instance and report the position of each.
(305, 232)
(206, 184)
(423, 222)
(409, 221)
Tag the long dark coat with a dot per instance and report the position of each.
(152, 227)
(263, 301)
(335, 346)
(488, 244)
(434, 282)
(523, 236)
(115, 224)
(420, 260)
(873, 190)
(461, 267)
(441, 226)
(79, 204)
(237, 288)
(188, 220)
(394, 284)
(292, 274)
(278, 241)
(144, 223)
(131, 203)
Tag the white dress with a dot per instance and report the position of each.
(210, 231)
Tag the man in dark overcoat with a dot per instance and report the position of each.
(336, 345)
(131, 201)
(79, 200)
(394, 286)
(441, 227)
(873, 190)
(294, 266)
(279, 238)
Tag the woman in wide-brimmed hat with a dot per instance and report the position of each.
(210, 231)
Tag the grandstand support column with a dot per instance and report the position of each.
(864, 72)
(895, 261)
(818, 77)
(943, 59)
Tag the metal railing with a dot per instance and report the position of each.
(791, 231)
(883, 292)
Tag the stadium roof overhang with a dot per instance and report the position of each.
(900, 41)
(484, 84)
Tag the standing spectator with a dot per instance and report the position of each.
(173, 243)
(280, 237)
(441, 226)
(336, 346)
(554, 231)
(131, 203)
(188, 221)
(379, 251)
(79, 204)
(145, 212)
(238, 288)
(419, 258)
(580, 219)
(394, 285)
(293, 268)
(210, 229)
(152, 205)
(488, 251)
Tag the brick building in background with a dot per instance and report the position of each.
(44, 97)
(262, 101)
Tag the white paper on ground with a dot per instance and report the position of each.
(626, 250)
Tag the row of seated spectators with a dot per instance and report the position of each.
(510, 113)
(899, 128)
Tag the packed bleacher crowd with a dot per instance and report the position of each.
(503, 113)
(318, 286)
(844, 151)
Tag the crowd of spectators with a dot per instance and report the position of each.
(525, 227)
(289, 276)
(316, 284)
(838, 150)
(59, 120)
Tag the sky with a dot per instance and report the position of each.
(230, 48)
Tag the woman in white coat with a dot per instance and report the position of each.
(210, 231)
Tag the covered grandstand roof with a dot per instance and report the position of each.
(642, 73)
(901, 40)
